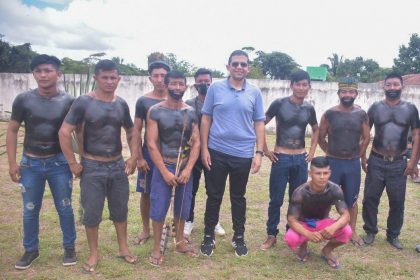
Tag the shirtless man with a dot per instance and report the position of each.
(347, 128)
(171, 131)
(203, 79)
(308, 215)
(157, 71)
(289, 159)
(101, 115)
(42, 110)
(387, 165)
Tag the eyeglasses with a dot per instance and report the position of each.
(236, 64)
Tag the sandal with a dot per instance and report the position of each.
(331, 261)
(154, 261)
(140, 240)
(304, 257)
(128, 258)
(357, 243)
(88, 268)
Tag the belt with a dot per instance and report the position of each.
(388, 158)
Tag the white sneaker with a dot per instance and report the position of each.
(188, 228)
(218, 230)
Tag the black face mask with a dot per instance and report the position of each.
(347, 102)
(393, 94)
(176, 96)
(202, 88)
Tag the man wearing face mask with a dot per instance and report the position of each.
(203, 79)
(387, 165)
(347, 129)
(171, 130)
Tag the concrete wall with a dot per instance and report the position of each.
(323, 94)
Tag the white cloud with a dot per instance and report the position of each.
(205, 32)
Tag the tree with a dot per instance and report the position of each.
(366, 70)
(408, 61)
(255, 71)
(181, 65)
(128, 69)
(335, 61)
(276, 65)
(15, 59)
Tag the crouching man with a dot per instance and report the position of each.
(171, 131)
(308, 215)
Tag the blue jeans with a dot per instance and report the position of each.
(34, 172)
(292, 169)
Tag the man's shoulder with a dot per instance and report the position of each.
(26, 94)
(307, 104)
(190, 101)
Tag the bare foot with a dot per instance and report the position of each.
(142, 238)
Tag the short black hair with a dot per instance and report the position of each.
(202, 71)
(298, 76)
(174, 75)
(158, 64)
(394, 75)
(238, 53)
(320, 162)
(106, 65)
(45, 59)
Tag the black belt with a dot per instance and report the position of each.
(388, 158)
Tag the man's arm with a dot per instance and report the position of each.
(194, 152)
(133, 144)
(66, 146)
(364, 143)
(260, 133)
(267, 152)
(314, 142)
(344, 219)
(412, 163)
(11, 147)
(152, 139)
(206, 121)
(323, 131)
(141, 162)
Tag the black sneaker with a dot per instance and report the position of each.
(208, 245)
(69, 257)
(395, 242)
(27, 259)
(369, 238)
(239, 245)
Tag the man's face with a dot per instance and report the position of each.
(347, 96)
(300, 88)
(107, 81)
(46, 75)
(157, 78)
(238, 67)
(176, 88)
(320, 176)
(393, 88)
(202, 83)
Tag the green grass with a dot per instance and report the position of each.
(379, 261)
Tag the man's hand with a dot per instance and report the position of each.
(328, 232)
(411, 169)
(206, 159)
(130, 165)
(142, 165)
(14, 172)
(170, 178)
(76, 168)
(271, 156)
(256, 163)
(184, 177)
(363, 162)
(309, 157)
(315, 236)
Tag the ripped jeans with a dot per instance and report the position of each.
(34, 172)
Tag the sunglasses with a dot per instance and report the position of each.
(236, 64)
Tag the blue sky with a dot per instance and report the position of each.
(55, 4)
(205, 32)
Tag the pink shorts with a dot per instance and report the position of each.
(294, 239)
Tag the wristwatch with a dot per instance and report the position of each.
(259, 152)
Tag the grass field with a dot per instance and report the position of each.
(379, 261)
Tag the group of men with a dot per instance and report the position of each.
(220, 132)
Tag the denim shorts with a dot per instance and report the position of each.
(102, 180)
(144, 179)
